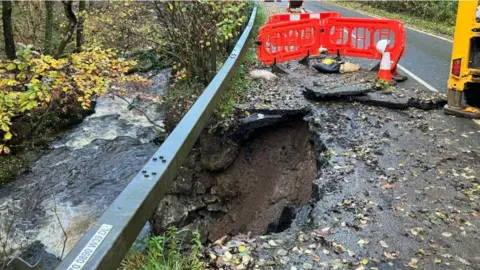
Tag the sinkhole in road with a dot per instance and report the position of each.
(260, 191)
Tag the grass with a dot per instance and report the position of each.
(241, 83)
(435, 27)
(166, 252)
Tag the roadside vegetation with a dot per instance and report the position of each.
(182, 249)
(175, 250)
(58, 58)
(437, 17)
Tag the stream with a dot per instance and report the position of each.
(67, 189)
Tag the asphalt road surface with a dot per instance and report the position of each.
(427, 57)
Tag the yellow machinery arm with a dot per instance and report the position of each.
(465, 65)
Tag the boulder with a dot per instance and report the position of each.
(217, 153)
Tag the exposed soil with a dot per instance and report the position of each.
(271, 175)
(273, 170)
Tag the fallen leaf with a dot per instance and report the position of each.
(387, 186)
(462, 260)
(241, 248)
(391, 255)
(228, 255)
(446, 234)
(307, 266)
(417, 230)
(272, 243)
(326, 252)
(364, 261)
(282, 252)
(362, 242)
(442, 216)
(437, 260)
(413, 263)
(420, 251)
(316, 258)
(383, 244)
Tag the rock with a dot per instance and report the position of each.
(201, 225)
(210, 198)
(199, 188)
(170, 212)
(217, 153)
(227, 188)
(215, 207)
(182, 185)
(195, 204)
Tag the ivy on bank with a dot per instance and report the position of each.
(34, 83)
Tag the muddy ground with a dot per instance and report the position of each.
(396, 188)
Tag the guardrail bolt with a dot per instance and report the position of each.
(146, 175)
(161, 157)
(154, 159)
(154, 173)
(144, 171)
(163, 160)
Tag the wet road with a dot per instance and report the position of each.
(427, 56)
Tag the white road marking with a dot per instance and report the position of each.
(424, 83)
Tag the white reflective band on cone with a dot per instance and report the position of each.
(315, 16)
(385, 63)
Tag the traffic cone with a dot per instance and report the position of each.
(385, 65)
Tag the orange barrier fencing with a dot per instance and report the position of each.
(284, 41)
(286, 38)
(358, 37)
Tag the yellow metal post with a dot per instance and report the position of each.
(462, 70)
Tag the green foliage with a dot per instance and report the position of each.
(436, 16)
(241, 82)
(164, 253)
(34, 83)
(189, 30)
(124, 25)
(435, 10)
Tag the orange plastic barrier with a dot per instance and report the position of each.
(359, 36)
(284, 39)
(302, 16)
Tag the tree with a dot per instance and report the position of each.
(48, 27)
(68, 7)
(80, 38)
(7, 29)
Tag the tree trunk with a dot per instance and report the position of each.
(67, 5)
(47, 43)
(80, 38)
(7, 29)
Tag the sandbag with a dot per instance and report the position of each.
(349, 67)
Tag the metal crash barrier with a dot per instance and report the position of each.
(293, 36)
(107, 242)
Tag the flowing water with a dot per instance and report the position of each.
(68, 188)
